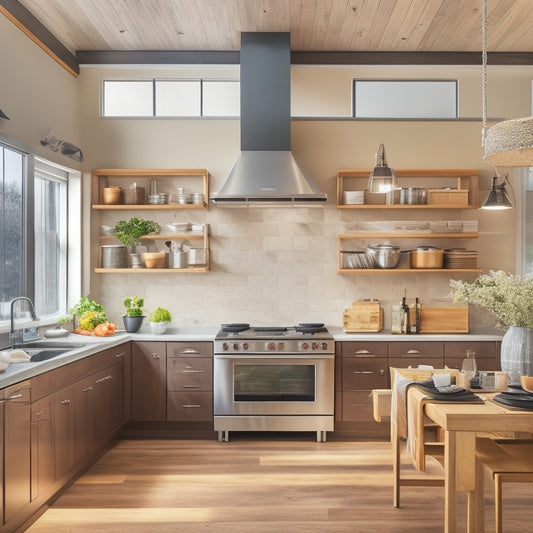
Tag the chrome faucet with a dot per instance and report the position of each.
(12, 336)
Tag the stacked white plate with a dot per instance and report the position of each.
(353, 197)
(460, 258)
(470, 226)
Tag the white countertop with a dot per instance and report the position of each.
(17, 372)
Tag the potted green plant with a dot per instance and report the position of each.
(129, 232)
(510, 298)
(159, 319)
(133, 314)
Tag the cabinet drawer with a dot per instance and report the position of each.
(357, 407)
(483, 350)
(365, 374)
(364, 349)
(416, 349)
(189, 373)
(190, 406)
(189, 349)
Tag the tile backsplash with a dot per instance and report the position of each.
(270, 266)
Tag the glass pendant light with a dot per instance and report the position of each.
(382, 179)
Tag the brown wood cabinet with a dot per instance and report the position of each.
(365, 365)
(17, 455)
(190, 381)
(108, 397)
(43, 465)
(149, 381)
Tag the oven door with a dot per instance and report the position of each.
(273, 384)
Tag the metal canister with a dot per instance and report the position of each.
(178, 259)
(114, 256)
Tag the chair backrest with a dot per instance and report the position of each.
(419, 374)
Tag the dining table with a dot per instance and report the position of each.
(463, 472)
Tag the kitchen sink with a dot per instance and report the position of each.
(44, 350)
(38, 355)
(44, 345)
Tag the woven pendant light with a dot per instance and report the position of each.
(510, 142)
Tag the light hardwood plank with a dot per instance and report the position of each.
(255, 482)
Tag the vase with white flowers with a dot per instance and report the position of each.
(510, 298)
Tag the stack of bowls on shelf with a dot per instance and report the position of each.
(460, 258)
(182, 197)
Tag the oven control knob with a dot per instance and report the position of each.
(281, 346)
(245, 346)
(315, 346)
(224, 346)
(236, 346)
(305, 345)
(271, 346)
(324, 345)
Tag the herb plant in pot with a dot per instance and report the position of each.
(134, 313)
(129, 232)
(159, 319)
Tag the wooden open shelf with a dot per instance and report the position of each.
(198, 178)
(409, 270)
(460, 179)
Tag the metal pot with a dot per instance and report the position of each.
(385, 256)
(427, 257)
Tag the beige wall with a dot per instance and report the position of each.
(268, 265)
(37, 94)
(279, 265)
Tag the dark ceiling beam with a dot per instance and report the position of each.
(27, 23)
(157, 57)
(409, 58)
(220, 57)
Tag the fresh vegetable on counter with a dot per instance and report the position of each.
(89, 314)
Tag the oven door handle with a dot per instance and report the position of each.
(263, 356)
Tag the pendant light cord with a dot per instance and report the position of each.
(484, 70)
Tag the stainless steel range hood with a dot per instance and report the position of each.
(266, 172)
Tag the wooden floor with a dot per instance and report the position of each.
(256, 482)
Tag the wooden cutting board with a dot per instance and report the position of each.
(363, 316)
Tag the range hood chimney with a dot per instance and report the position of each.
(266, 171)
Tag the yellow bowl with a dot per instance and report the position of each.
(154, 259)
(527, 383)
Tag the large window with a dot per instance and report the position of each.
(171, 98)
(33, 229)
(407, 99)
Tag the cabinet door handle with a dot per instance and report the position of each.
(12, 397)
(191, 386)
(155, 356)
(362, 351)
(192, 370)
(189, 351)
(191, 406)
(87, 389)
(411, 352)
(363, 372)
(64, 402)
(382, 372)
(121, 354)
(104, 378)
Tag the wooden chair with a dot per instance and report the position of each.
(507, 461)
(433, 437)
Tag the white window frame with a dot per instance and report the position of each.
(380, 96)
(153, 103)
(70, 237)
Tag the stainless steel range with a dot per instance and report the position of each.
(274, 379)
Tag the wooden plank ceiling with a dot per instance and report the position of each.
(315, 25)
